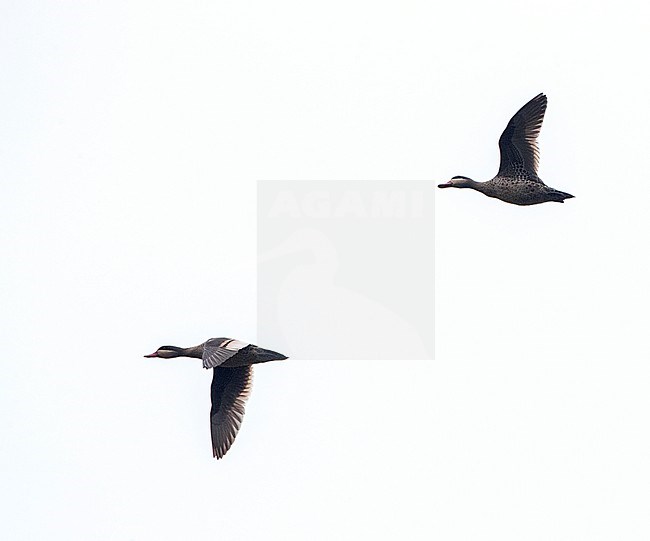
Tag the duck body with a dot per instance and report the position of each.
(517, 181)
(521, 191)
(232, 363)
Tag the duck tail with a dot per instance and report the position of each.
(560, 196)
(265, 355)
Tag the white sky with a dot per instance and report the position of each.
(132, 136)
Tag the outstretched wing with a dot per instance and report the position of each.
(230, 389)
(217, 351)
(518, 142)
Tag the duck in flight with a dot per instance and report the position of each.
(517, 181)
(232, 377)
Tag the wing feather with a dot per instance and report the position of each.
(518, 142)
(229, 392)
(217, 351)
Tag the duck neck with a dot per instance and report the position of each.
(194, 351)
(483, 187)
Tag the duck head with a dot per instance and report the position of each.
(167, 352)
(458, 182)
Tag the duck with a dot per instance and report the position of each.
(517, 181)
(232, 363)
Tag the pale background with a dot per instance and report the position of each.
(132, 136)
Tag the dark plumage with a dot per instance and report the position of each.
(232, 378)
(517, 181)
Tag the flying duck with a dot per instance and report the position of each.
(232, 378)
(517, 181)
